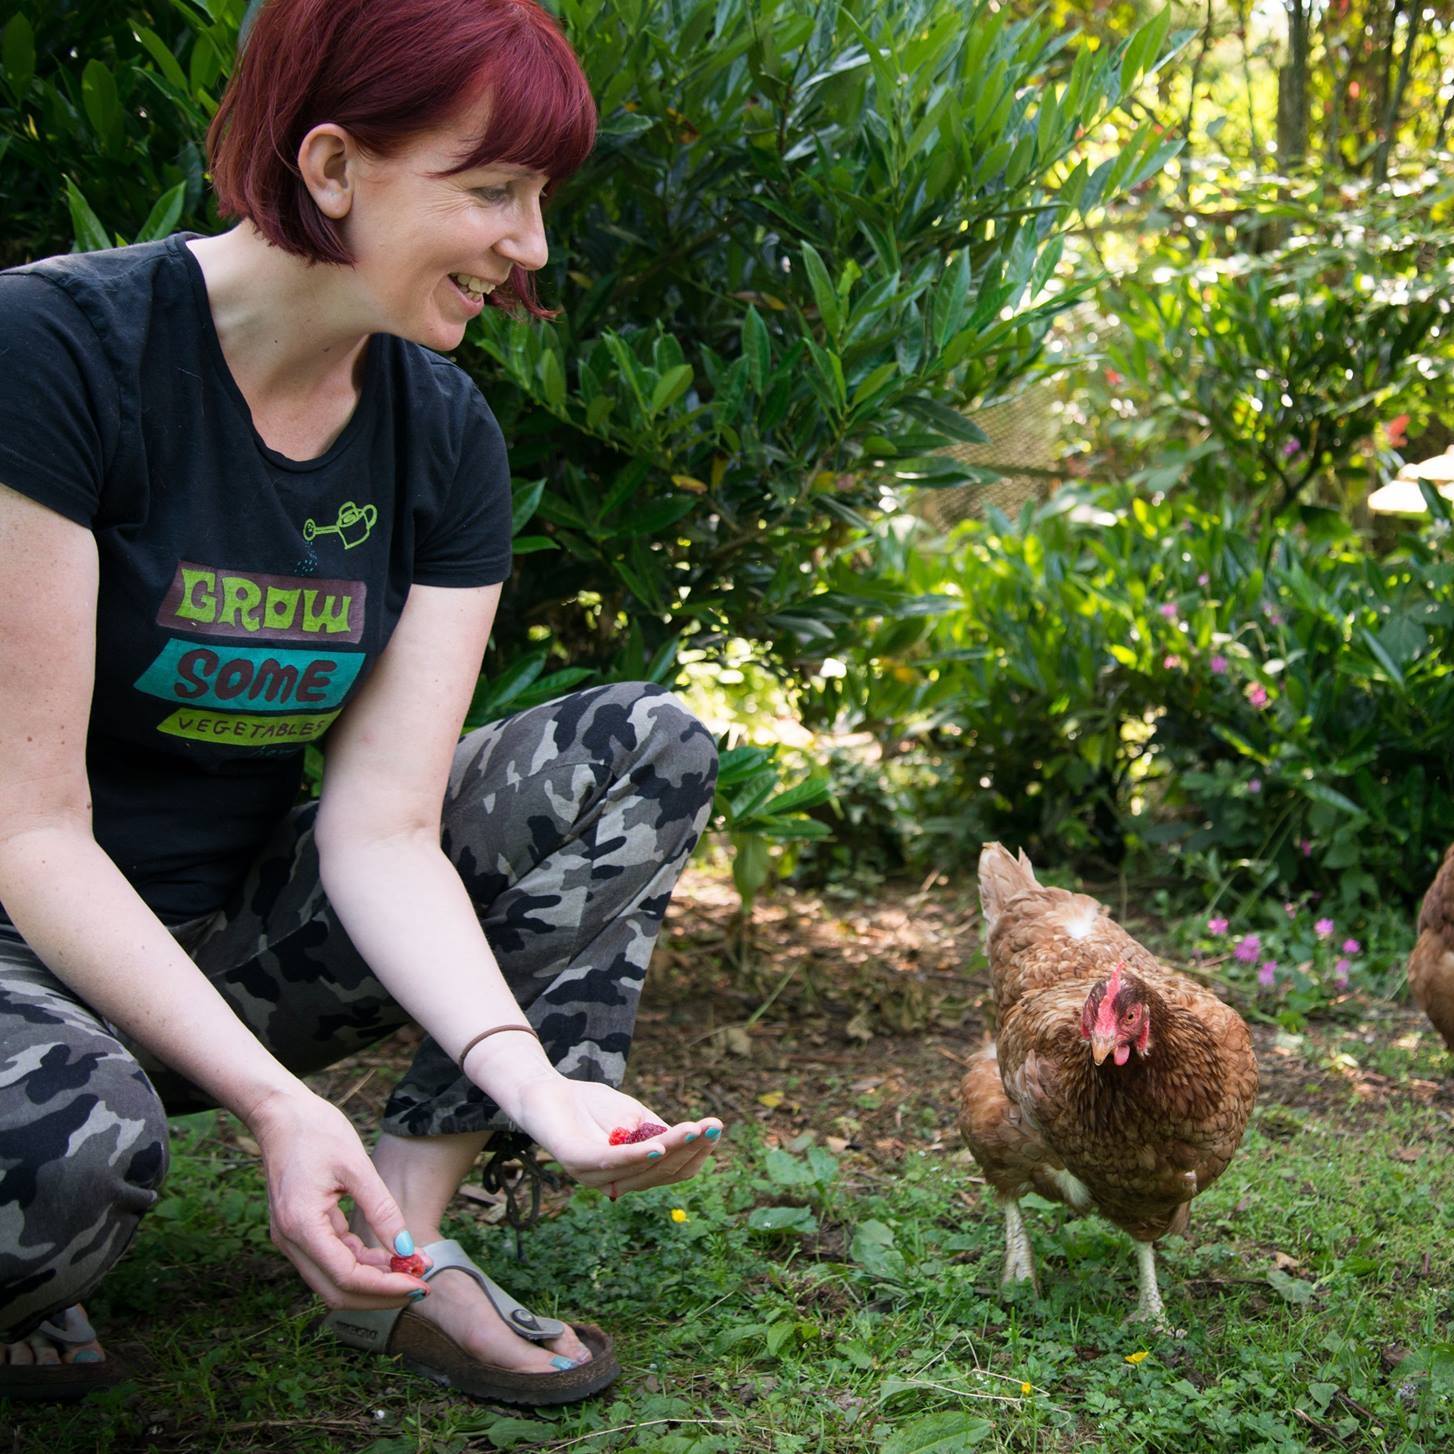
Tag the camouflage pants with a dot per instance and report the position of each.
(569, 825)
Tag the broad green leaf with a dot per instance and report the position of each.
(161, 221)
(756, 349)
(670, 387)
(158, 50)
(17, 54)
(100, 102)
(943, 1433)
(89, 234)
(797, 1220)
(524, 504)
(829, 309)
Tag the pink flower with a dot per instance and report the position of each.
(1273, 615)
(1267, 975)
(1351, 946)
(1204, 580)
(1323, 928)
(1291, 447)
(1254, 785)
(1168, 609)
(1340, 973)
(1218, 665)
(1171, 662)
(1306, 845)
(1290, 910)
(1247, 948)
(1216, 925)
(1257, 694)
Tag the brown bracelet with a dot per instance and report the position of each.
(485, 1035)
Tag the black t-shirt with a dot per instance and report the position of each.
(243, 594)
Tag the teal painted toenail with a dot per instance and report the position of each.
(418, 1295)
(713, 1132)
(691, 1136)
(88, 1355)
(404, 1244)
(653, 1155)
(561, 1362)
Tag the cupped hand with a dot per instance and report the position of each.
(311, 1158)
(572, 1121)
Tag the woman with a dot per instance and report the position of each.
(243, 508)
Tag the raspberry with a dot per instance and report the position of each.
(413, 1264)
(623, 1137)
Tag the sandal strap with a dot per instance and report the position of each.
(371, 1328)
(447, 1253)
(69, 1326)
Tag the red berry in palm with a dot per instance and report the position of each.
(622, 1136)
(413, 1264)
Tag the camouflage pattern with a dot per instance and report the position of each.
(569, 824)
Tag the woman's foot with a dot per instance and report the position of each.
(40, 1349)
(458, 1306)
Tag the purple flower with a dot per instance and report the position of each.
(1254, 785)
(1216, 925)
(1204, 580)
(1267, 975)
(1291, 447)
(1247, 948)
(1351, 946)
(1168, 609)
(1340, 973)
(1171, 662)
(1218, 665)
(1306, 846)
(1323, 928)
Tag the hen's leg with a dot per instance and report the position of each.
(1019, 1257)
(1148, 1304)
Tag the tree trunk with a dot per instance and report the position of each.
(1389, 120)
(1292, 89)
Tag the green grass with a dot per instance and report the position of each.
(863, 1315)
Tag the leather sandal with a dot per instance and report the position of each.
(65, 1382)
(426, 1349)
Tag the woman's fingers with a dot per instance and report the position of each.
(679, 1163)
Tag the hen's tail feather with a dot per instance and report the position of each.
(1001, 878)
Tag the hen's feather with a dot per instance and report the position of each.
(1431, 965)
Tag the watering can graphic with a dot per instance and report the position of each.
(352, 526)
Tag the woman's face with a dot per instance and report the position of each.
(427, 247)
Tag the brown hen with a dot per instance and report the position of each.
(1115, 1084)
(1431, 965)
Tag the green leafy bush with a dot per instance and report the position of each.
(1267, 371)
(808, 235)
(103, 110)
(1226, 701)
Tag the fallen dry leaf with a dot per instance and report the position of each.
(1408, 1153)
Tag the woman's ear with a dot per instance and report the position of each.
(327, 161)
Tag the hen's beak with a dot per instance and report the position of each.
(1101, 1046)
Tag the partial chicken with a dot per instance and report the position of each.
(1431, 965)
(1115, 1084)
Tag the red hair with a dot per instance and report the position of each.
(387, 71)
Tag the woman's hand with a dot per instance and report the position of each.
(312, 1156)
(572, 1121)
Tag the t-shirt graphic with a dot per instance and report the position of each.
(243, 595)
(263, 695)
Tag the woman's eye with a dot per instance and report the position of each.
(492, 194)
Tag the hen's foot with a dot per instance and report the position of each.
(1149, 1307)
(1019, 1256)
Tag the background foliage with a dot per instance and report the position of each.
(814, 241)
